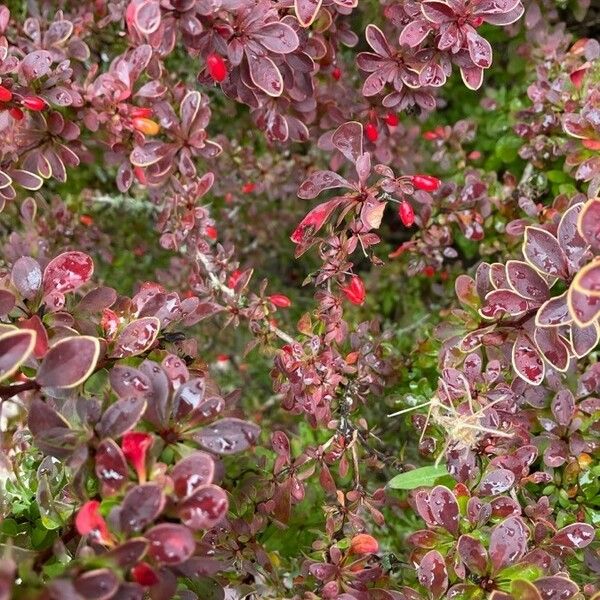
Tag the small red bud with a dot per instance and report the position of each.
(144, 574)
(135, 445)
(141, 112)
(406, 214)
(216, 67)
(430, 136)
(5, 94)
(16, 113)
(429, 271)
(280, 300)
(211, 232)
(336, 73)
(427, 183)
(89, 521)
(474, 155)
(363, 543)
(222, 358)
(392, 119)
(355, 290)
(234, 278)
(34, 103)
(140, 175)
(371, 132)
(248, 187)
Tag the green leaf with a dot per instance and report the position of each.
(424, 476)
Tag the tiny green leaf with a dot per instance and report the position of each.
(418, 477)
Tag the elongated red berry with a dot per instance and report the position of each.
(429, 271)
(211, 232)
(216, 67)
(86, 220)
(146, 126)
(392, 119)
(5, 94)
(430, 136)
(248, 187)
(336, 73)
(355, 290)
(34, 103)
(280, 300)
(371, 132)
(406, 214)
(427, 183)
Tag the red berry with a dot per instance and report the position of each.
(211, 232)
(392, 119)
(355, 290)
(336, 73)
(140, 175)
(34, 103)
(86, 220)
(216, 67)
(406, 214)
(280, 300)
(16, 113)
(430, 136)
(427, 183)
(429, 271)
(248, 187)
(371, 132)
(5, 94)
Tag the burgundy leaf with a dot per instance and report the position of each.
(588, 223)
(473, 554)
(306, 11)
(496, 482)
(444, 508)
(111, 468)
(348, 139)
(508, 543)
(140, 506)
(527, 361)
(121, 416)
(15, 348)
(556, 588)
(319, 181)
(26, 276)
(432, 574)
(128, 381)
(578, 536)
(67, 272)
(228, 436)
(170, 544)
(69, 362)
(192, 472)
(98, 584)
(204, 508)
(526, 281)
(543, 251)
(137, 337)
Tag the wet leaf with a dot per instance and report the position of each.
(228, 436)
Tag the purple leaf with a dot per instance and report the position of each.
(140, 506)
(432, 574)
(444, 508)
(563, 407)
(508, 543)
(69, 362)
(204, 508)
(583, 307)
(414, 33)
(527, 361)
(265, 74)
(67, 272)
(228, 436)
(192, 472)
(15, 348)
(503, 302)
(588, 223)
(526, 281)
(111, 467)
(98, 584)
(552, 347)
(556, 588)
(479, 49)
(496, 482)
(554, 311)
(473, 554)
(348, 139)
(137, 337)
(170, 544)
(26, 276)
(306, 11)
(575, 536)
(543, 251)
(122, 416)
(129, 382)
(319, 181)
(277, 37)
